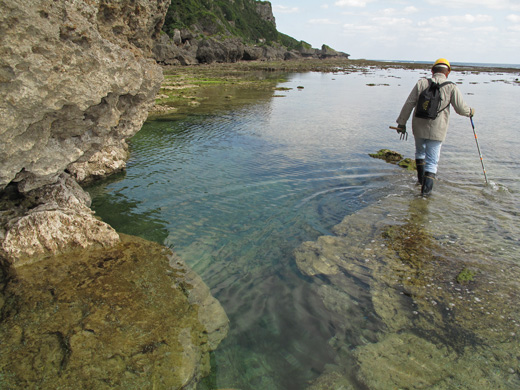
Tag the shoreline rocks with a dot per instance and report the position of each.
(77, 81)
(55, 218)
(130, 316)
(81, 305)
(185, 48)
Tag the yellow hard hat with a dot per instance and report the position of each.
(442, 61)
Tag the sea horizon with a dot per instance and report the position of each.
(455, 63)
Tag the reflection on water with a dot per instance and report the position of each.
(236, 194)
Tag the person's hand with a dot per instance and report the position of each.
(401, 129)
(471, 112)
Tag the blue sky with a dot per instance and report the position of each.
(460, 30)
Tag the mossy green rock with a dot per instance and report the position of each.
(387, 155)
(465, 276)
(408, 163)
(130, 317)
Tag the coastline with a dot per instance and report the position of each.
(181, 87)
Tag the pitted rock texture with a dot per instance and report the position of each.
(51, 219)
(74, 78)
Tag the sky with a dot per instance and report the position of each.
(483, 31)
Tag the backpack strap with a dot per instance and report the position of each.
(440, 86)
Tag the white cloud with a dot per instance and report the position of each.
(451, 21)
(492, 4)
(285, 10)
(485, 29)
(352, 3)
(325, 6)
(322, 21)
(349, 28)
(411, 10)
(513, 18)
(386, 21)
(515, 28)
(405, 11)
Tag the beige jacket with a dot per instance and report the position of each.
(437, 128)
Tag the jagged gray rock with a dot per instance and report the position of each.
(75, 78)
(51, 219)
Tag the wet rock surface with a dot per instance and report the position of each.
(133, 316)
(420, 327)
(55, 218)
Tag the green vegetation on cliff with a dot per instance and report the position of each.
(249, 20)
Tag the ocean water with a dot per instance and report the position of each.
(238, 192)
(473, 64)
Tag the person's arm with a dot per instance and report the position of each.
(408, 106)
(459, 104)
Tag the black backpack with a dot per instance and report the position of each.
(430, 100)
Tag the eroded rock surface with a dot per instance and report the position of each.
(74, 79)
(76, 82)
(132, 316)
(54, 218)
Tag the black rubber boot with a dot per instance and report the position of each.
(427, 185)
(419, 162)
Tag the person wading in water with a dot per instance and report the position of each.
(430, 99)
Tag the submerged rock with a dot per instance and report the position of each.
(132, 316)
(399, 318)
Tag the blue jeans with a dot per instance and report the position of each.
(429, 151)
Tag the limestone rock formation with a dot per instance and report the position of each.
(76, 82)
(74, 79)
(241, 31)
(265, 11)
(50, 219)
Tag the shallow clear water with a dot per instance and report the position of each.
(235, 193)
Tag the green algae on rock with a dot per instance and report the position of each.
(387, 155)
(465, 276)
(133, 316)
(400, 320)
(393, 157)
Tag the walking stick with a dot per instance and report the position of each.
(478, 147)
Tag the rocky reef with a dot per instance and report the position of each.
(401, 314)
(131, 316)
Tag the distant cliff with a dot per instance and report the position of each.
(204, 31)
